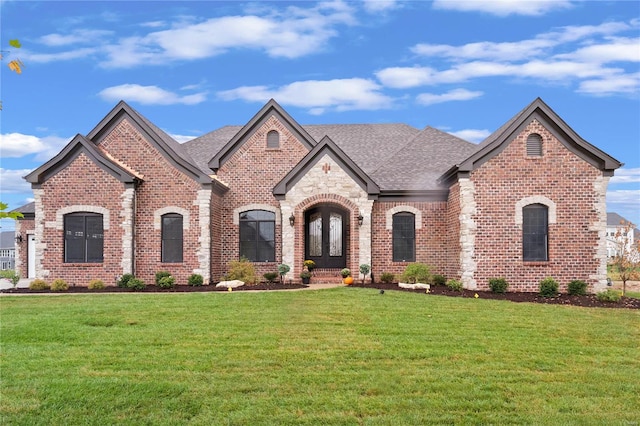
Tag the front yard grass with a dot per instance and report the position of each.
(339, 356)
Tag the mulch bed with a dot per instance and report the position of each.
(562, 299)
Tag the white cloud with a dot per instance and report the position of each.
(472, 135)
(453, 95)
(616, 50)
(15, 145)
(504, 7)
(30, 57)
(616, 84)
(80, 36)
(485, 50)
(317, 96)
(13, 182)
(376, 6)
(148, 95)
(623, 175)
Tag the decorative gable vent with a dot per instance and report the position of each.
(534, 145)
(273, 139)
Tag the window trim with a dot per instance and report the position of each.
(394, 257)
(84, 240)
(164, 240)
(527, 255)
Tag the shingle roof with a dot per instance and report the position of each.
(7, 239)
(27, 208)
(614, 219)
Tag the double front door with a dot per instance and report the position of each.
(325, 232)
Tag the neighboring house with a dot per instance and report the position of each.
(620, 232)
(127, 198)
(7, 250)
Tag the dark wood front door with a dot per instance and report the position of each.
(325, 236)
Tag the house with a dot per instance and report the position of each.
(7, 250)
(127, 198)
(620, 232)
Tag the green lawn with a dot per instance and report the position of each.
(339, 356)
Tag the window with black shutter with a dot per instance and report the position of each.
(172, 238)
(535, 233)
(404, 237)
(83, 238)
(257, 235)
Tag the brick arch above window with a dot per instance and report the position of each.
(265, 207)
(404, 209)
(536, 199)
(81, 208)
(157, 216)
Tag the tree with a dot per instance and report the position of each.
(627, 256)
(14, 65)
(8, 215)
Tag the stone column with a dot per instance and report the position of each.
(468, 228)
(600, 226)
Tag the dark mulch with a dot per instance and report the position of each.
(562, 299)
(589, 300)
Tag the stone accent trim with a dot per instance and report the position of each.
(41, 246)
(409, 209)
(468, 227)
(127, 225)
(536, 199)
(59, 222)
(600, 251)
(203, 201)
(157, 216)
(266, 207)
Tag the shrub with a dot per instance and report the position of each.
(123, 281)
(160, 275)
(577, 288)
(195, 280)
(609, 295)
(416, 273)
(167, 282)
(283, 269)
(310, 264)
(548, 287)
(59, 285)
(365, 269)
(498, 285)
(455, 285)
(270, 276)
(387, 277)
(345, 272)
(305, 275)
(439, 279)
(242, 270)
(39, 284)
(96, 285)
(136, 284)
(11, 275)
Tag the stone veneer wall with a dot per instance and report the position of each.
(577, 190)
(468, 230)
(318, 187)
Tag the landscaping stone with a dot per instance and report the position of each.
(230, 284)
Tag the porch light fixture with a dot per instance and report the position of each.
(18, 238)
(360, 219)
(292, 220)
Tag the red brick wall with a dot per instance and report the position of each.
(23, 226)
(511, 176)
(163, 186)
(217, 270)
(251, 173)
(452, 269)
(431, 238)
(82, 183)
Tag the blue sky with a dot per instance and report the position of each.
(464, 67)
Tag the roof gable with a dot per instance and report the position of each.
(80, 145)
(270, 108)
(326, 147)
(540, 111)
(165, 144)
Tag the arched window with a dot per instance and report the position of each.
(258, 235)
(172, 238)
(534, 145)
(404, 237)
(535, 233)
(273, 139)
(83, 238)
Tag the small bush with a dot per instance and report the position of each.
(136, 284)
(242, 270)
(310, 264)
(96, 285)
(345, 272)
(11, 275)
(609, 295)
(283, 269)
(38, 284)
(160, 275)
(577, 288)
(270, 276)
(195, 280)
(548, 287)
(59, 285)
(498, 285)
(439, 279)
(365, 269)
(455, 285)
(416, 273)
(123, 281)
(387, 277)
(167, 282)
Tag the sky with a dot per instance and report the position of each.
(464, 67)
